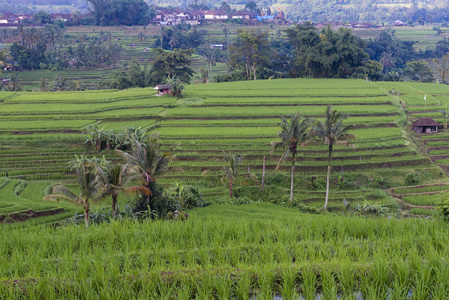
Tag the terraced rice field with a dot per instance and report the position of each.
(41, 132)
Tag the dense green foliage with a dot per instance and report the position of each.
(234, 251)
(120, 12)
(329, 54)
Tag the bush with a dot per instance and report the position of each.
(380, 182)
(373, 210)
(411, 179)
(315, 183)
(236, 75)
(186, 196)
(442, 209)
(157, 203)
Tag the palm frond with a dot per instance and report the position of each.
(60, 189)
(56, 198)
(144, 190)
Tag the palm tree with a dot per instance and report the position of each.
(293, 133)
(95, 135)
(231, 170)
(87, 180)
(176, 87)
(443, 67)
(333, 132)
(43, 82)
(14, 83)
(146, 161)
(111, 176)
(4, 57)
(445, 113)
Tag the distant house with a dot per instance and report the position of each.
(398, 23)
(175, 17)
(216, 15)
(243, 14)
(426, 125)
(217, 46)
(162, 89)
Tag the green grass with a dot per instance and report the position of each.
(419, 100)
(444, 161)
(422, 200)
(425, 189)
(421, 211)
(248, 250)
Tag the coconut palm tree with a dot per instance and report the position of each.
(231, 170)
(292, 133)
(445, 113)
(14, 83)
(89, 185)
(443, 66)
(333, 132)
(95, 135)
(147, 160)
(112, 177)
(176, 86)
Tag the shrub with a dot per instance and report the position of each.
(411, 179)
(442, 209)
(374, 210)
(380, 182)
(186, 196)
(157, 202)
(316, 183)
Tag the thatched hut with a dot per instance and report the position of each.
(426, 125)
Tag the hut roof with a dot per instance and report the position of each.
(426, 122)
(162, 87)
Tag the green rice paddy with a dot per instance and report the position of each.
(43, 130)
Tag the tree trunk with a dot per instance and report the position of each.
(291, 184)
(263, 174)
(328, 176)
(231, 182)
(114, 204)
(86, 217)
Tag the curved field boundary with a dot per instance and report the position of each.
(29, 214)
(399, 195)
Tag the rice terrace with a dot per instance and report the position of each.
(242, 233)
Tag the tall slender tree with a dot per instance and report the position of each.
(333, 132)
(114, 180)
(231, 170)
(251, 49)
(88, 183)
(292, 133)
(443, 67)
(147, 161)
(445, 113)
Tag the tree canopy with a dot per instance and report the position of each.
(250, 50)
(335, 54)
(120, 12)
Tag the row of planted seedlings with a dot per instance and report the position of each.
(263, 149)
(208, 257)
(422, 189)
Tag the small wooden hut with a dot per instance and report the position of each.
(426, 125)
(162, 89)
